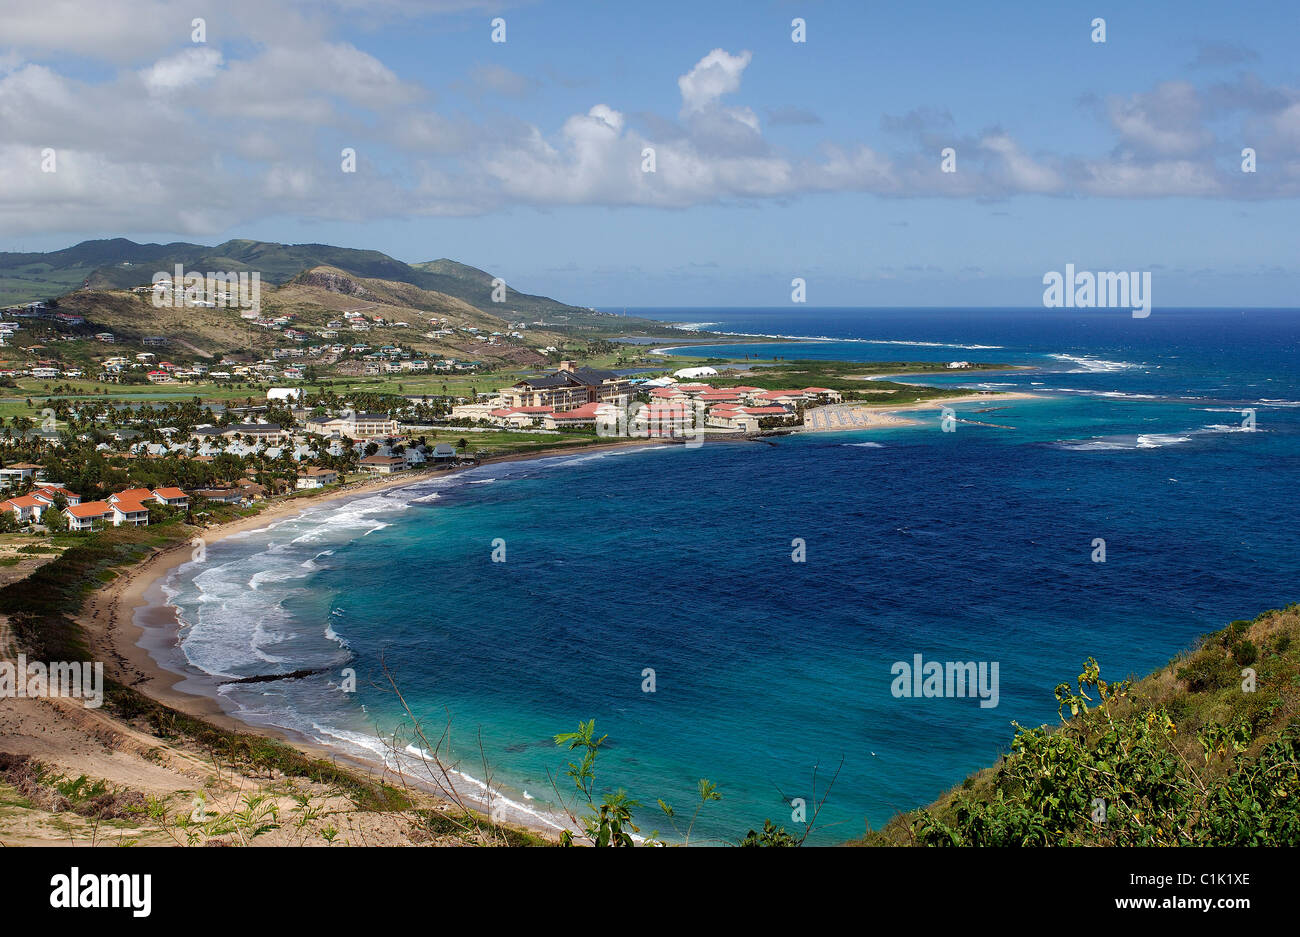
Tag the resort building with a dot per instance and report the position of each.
(824, 394)
(520, 417)
(663, 419)
(220, 495)
(355, 425)
(26, 507)
(269, 433)
(580, 416)
(172, 497)
(475, 411)
(568, 388)
(382, 464)
(88, 515)
(49, 491)
(315, 477)
(18, 473)
(128, 507)
(745, 419)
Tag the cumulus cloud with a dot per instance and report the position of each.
(181, 70)
(1166, 120)
(716, 74)
(250, 124)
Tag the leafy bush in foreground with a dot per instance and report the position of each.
(1213, 761)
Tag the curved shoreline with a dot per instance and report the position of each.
(132, 626)
(129, 624)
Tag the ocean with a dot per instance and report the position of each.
(772, 677)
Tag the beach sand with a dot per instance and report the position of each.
(886, 415)
(129, 617)
(122, 622)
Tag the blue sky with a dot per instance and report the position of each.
(775, 159)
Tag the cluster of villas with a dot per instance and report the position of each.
(585, 397)
(129, 507)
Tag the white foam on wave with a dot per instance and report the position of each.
(418, 765)
(1091, 364)
(1159, 440)
(1116, 443)
(1228, 428)
(863, 445)
(855, 341)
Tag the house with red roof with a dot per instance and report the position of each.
(172, 497)
(719, 396)
(668, 393)
(786, 397)
(71, 497)
(131, 494)
(663, 419)
(26, 507)
(88, 515)
(131, 513)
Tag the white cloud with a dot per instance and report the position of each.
(716, 74)
(1017, 171)
(250, 125)
(1165, 121)
(181, 70)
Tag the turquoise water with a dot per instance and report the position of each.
(974, 545)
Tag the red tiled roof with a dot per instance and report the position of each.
(585, 412)
(133, 494)
(169, 493)
(56, 489)
(89, 509)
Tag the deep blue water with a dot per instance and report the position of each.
(970, 545)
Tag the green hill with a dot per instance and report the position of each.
(119, 263)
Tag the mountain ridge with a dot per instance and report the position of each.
(114, 263)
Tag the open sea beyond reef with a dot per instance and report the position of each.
(974, 545)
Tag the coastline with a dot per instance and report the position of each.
(108, 617)
(129, 623)
(128, 619)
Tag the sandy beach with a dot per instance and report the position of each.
(860, 417)
(129, 625)
(122, 622)
(117, 617)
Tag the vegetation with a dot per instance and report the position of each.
(40, 610)
(1204, 752)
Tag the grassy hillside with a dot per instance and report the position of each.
(1205, 751)
(315, 297)
(119, 263)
